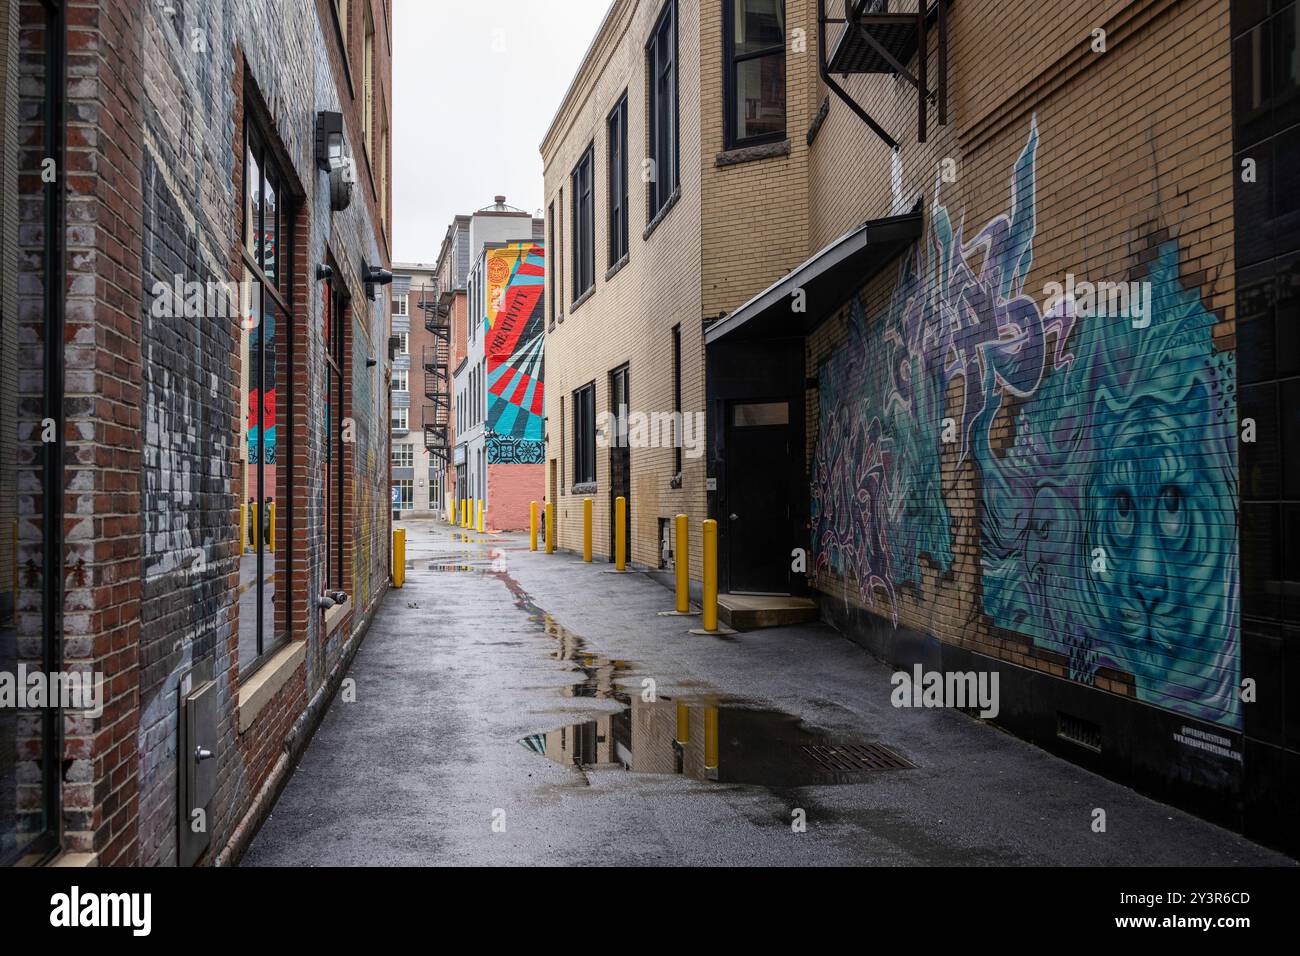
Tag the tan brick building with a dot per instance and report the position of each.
(732, 216)
(1015, 279)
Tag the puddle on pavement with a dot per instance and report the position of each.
(703, 736)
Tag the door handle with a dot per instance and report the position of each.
(201, 755)
(734, 516)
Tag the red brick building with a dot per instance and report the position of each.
(195, 315)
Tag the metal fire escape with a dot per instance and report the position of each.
(435, 303)
(874, 40)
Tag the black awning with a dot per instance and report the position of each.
(828, 279)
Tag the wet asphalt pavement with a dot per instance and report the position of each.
(502, 696)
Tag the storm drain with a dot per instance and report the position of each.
(855, 758)
(1079, 731)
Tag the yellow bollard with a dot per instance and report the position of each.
(682, 559)
(550, 527)
(710, 575)
(399, 557)
(464, 502)
(586, 530)
(711, 738)
(683, 724)
(480, 516)
(243, 529)
(532, 526)
(620, 533)
(271, 511)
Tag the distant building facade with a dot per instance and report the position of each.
(498, 382)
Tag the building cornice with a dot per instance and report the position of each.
(594, 61)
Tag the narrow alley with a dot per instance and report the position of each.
(474, 669)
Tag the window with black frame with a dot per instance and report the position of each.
(754, 50)
(661, 107)
(584, 226)
(550, 260)
(32, 114)
(616, 136)
(584, 435)
(333, 471)
(267, 244)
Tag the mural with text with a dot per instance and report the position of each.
(513, 346)
(1106, 517)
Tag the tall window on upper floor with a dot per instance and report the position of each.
(338, 318)
(584, 225)
(754, 49)
(383, 173)
(559, 252)
(341, 8)
(550, 258)
(661, 105)
(368, 85)
(616, 134)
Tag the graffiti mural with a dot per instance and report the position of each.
(1103, 449)
(513, 346)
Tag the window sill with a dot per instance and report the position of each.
(573, 307)
(662, 214)
(752, 154)
(585, 488)
(78, 860)
(617, 267)
(261, 689)
(334, 616)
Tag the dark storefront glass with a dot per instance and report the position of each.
(31, 423)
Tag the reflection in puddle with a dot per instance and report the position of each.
(705, 737)
(727, 742)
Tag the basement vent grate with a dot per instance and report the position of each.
(855, 758)
(1078, 731)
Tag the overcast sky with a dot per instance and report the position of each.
(475, 86)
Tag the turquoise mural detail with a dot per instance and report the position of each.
(1123, 449)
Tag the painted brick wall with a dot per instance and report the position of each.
(1089, 437)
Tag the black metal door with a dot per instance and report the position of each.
(620, 457)
(755, 519)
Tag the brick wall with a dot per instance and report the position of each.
(510, 490)
(1115, 167)
(755, 210)
(153, 175)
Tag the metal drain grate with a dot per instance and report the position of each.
(855, 758)
(1079, 731)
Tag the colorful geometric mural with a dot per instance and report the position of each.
(1106, 520)
(513, 347)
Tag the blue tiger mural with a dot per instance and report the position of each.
(1107, 519)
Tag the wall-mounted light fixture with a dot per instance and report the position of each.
(330, 145)
(332, 157)
(373, 276)
(323, 272)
